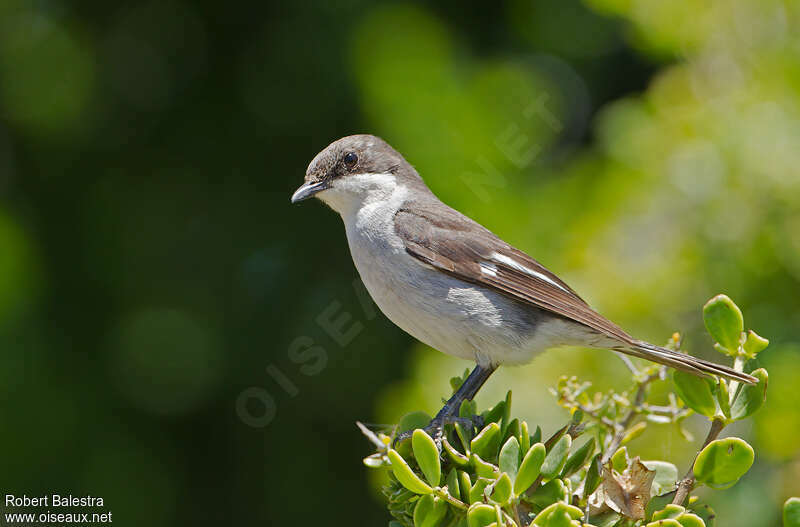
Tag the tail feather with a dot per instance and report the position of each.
(681, 361)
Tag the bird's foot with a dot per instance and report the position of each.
(435, 428)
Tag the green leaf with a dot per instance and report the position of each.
(508, 460)
(606, 519)
(593, 475)
(495, 414)
(512, 430)
(723, 397)
(577, 459)
(619, 461)
(634, 432)
(413, 421)
(405, 475)
(456, 382)
(705, 513)
(556, 509)
(484, 468)
(556, 457)
(720, 464)
(465, 484)
(529, 469)
(754, 344)
(750, 396)
(454, 455)
(481, 515)
(537, 435)
(666, 476)
(560, 519)
(451, 481)
(502, 489)
(551, 492)
(664, 523)
(476, 493)
(465, 435)
(696, 392)
(524, 438)
(486, 443)
(791, 513)
(429, 511)
(670, 511)
(691, 520)
(724, 322)
(467, 409)
(427, 456)
(506, 412)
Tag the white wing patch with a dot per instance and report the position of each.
(488, 268)
(503, 259)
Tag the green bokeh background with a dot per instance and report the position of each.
(152, 269)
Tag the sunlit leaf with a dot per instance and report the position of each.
(502, 489)
(557, 509)
(724, 322)
(405, 475)
(529, 469)
(556, 457)
(754, 344)
(723, 461)
(791, 513)
(508, 460)
(451, 481)
(487, 442)
(670, 511)
(484, 468)
(696, 392)
(427, 456)
(481, 515)
(750, 396)
(429, 511)
(454, 455)
(666, 476)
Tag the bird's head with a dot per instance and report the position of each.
(354, 171)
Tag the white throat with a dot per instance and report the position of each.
(352, 193)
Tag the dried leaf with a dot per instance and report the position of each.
(629, 492)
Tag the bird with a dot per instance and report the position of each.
(451, 283)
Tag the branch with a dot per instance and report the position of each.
(686, 485)
(629, 417)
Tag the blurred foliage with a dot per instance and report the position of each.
(489, 469)
(151, 267)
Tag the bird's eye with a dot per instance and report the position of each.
(350, 159)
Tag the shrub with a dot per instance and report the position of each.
(503, 473)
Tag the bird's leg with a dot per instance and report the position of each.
(449, 412)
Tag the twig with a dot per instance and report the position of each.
(624, 358)
(686, 485)
(458, 504)
(629, 417)
(593, 414)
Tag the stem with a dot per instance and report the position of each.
(686, 485)
(458, 504)
(629, 417)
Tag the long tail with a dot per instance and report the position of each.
(681, 361)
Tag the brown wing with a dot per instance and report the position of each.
(456, 245)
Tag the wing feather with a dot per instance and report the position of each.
(458, 246)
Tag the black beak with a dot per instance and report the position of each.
(308, 190)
